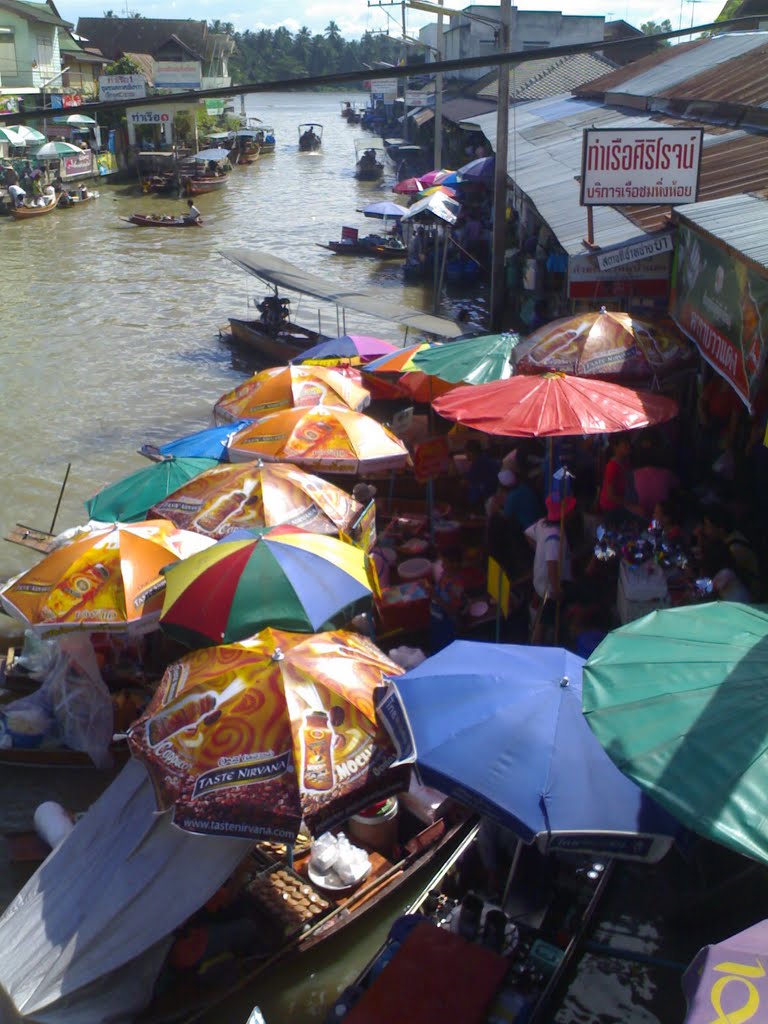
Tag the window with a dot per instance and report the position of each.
(45, 53)
(7, 52)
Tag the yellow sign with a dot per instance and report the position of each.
(498, 586)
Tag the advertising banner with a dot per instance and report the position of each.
(647, 278)
(76, 165)
(722, 305)
(9, 104)
(386, 88)
(122, 87)
(106, 163)
(431, 459)
(640, 166)
(178, 74)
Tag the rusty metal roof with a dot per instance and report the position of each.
(742, 80)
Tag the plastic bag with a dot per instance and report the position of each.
(80, 700)
(37, 655)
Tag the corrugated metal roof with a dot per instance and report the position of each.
(739, 221)
(464, 107)
(544, 160)
(616, 78)
(549, 76)
(743, 80)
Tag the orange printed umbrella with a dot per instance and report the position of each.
(256, 494)
(102, 579)
(328, 439)
(249, 738)
(286, 387)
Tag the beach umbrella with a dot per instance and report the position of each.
(605, 344)
(248, 739)
(437, 204)
(470, 360)
(256, 494)
(128, 500)
(9, 134)
(408, 187)
(440, 190)
(284, 577)
(383, 209)
(210, 443)
(482, 168)
(553, 405)
(212, 154)
(500, 728)
(52, 150)
(75, 119)
(27, 134)
(349, 348)
(398, 362)
(323, 438)
(290, 387)
(101, 579)
(677, 698)
(729, 978)
(399, 371)
(434, 178)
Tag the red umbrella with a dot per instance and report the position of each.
(408, 187)
(553, 405)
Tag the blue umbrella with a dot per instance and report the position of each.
(483, 167)
(500, 728)
(206, 444)
(383, 208)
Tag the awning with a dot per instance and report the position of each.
(422, 115)
(284, 275)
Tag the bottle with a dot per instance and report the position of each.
(211, 518)
(317, 744)
(81, 586)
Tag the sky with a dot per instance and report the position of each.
(354, 17)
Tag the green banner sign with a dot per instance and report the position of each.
(722, 305)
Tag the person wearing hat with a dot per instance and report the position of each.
(551, 563)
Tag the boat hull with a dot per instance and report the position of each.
(30, 212)
(380, 252)
(199, 186)
(290, 341)
(143, 221)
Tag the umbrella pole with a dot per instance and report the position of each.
(61, 495)
(560, 568)
(512, 872)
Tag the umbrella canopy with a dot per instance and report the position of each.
(500, 727)
(471, 360)
(288, 578)
(481, 169)
(27, 134)
(434, 177)
(254, 495)
(9, 134)
(130, 499)
(51, 150)
(328, 439)
(605, 344)
(75, 119)
(247, 739)
(400, 361)
(399, 369)
(203, 444)
(212, 154)
(554, 405)
(349, 348)
(437, 204)
(101, 579)
(289, 387)
(382, 209)
(678, 700)
(408, 187)
(708, 982)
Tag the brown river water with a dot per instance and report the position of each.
(109, 339)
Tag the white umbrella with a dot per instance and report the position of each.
(75, 119)
(8, 134)
(53, 149)
(28, 134)
(212, 154)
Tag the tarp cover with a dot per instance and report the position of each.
(111, 893)
(285, 275)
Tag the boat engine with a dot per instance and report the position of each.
(274, 311)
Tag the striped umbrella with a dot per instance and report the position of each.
(288, 387)
(285, 577)
(130, 499)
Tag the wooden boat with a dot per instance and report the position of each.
(278, 346)
(146, 220)
(245, 157)
(67, 201)
(372, 245)
(198, 186)
(369, 165)
(27, 212)
(310, 140)
(528, 939)
(266, 139)
(288, 932)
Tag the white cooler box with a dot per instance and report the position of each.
(642, 589)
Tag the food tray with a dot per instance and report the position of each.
(288, 898)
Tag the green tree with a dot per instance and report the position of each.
(124, 65)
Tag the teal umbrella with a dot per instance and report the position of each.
(679, 700)
(128, 500)
(470, 360)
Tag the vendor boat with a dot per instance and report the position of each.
(27, 212)
(198, 186)
(310, 137)
(379, 246)
(274, 336)
(369, 162)
(266, 139)
(147, 220)
(67, 200)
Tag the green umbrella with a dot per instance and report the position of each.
(128, 500)
(679, 700)
(470, 360)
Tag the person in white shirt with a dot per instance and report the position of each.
(17, 193)
(192, 214)
(551, 566)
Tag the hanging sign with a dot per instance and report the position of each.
(431, 459)
(122, 87)
(620, 256)
(640, 166)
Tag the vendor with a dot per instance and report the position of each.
(481, 477)
(551, 565)
(616, 491)
(447, 600)
(718, 525)
(718, 564)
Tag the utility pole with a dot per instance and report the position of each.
(404, 59)
(498, 285)
(439, 95)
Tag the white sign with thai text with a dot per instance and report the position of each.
(178, 74)
(640, 166)
(385, 87)
(122, 87)
(149, 115)
(652, 246)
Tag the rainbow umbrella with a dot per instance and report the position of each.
(128, 500)
(254, 495)
(442, 190)
(327, 439)
(101, 579)
(286, 387)
(434, 178)
(349, 348)
(248, 739)
(399, 369)
(286, 577)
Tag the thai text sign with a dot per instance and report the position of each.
(631, 253)
(178, 74)
(77, 164)
(385, 87)
(149, 115)
(722, 305)
(647, 278)
(640, 166)
(122, 87)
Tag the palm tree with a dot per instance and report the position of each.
(332, 32)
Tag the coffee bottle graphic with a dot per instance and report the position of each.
(317, 744)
